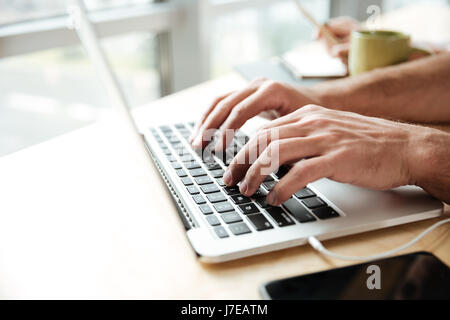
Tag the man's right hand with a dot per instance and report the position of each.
(232, 110)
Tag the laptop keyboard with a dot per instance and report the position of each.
(225, 209)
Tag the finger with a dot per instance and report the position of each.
(341, 26)
(302, 173)
(206, 114)
(219, 114)
(276, 154)
(340, 49)
(251, 151)
(294, 116)
(245, 110)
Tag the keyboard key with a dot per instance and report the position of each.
(231, 217)
(314, 202)
(213, 165)
(165, 129)
(325, 213)
(239, 228)
(167, 152)
(259, 222)
(176, 165)
(209, 188)
(216, 197)
(217, 173)
(248, 208)
(199, 199)
(212, 220)
(262, 202)
(174, 140)
(205, 155)
(203, 180)
(269, 185)
(192, 190)
(185, 134)
(280, 217)
(181, 173)
(192, 165)
(296, 209)
(232, 190)
(281, 172)
(187, 158)
(179, 149)
(220, 182)
(223, 207)
(171, 158)
(179, 126)
(259, 193)
(186, 181)
(304, 193)
(197, 172)
(240, 199)
(205, 209)
(169, 134)
(220, 231)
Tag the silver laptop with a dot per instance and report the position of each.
(221, 224)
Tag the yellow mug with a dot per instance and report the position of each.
(371, 49)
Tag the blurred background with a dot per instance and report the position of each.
(48, 86)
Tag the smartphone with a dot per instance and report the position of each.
(418, 275)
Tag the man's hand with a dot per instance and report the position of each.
(232, 110)
(343, 146)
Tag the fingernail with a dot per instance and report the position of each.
(272, 198)
(227, 177)
(243, 188)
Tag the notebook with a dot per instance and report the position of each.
(313, 61)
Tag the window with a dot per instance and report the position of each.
(255, 33)
(14, 11)
(51, 92)
(48, 86)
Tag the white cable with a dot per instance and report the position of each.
(316, 244)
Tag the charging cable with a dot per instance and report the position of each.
(316, 244)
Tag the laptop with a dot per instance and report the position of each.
(220, 223)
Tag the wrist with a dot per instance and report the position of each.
(330, 95)
(424, 159)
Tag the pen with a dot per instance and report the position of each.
(321, 27)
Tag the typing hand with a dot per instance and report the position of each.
(319, 142)
(232, 110)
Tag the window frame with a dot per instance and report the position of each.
(181, 27)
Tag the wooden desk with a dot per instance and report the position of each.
(81, 216)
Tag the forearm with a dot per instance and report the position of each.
(417, 91)
(429, 162)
